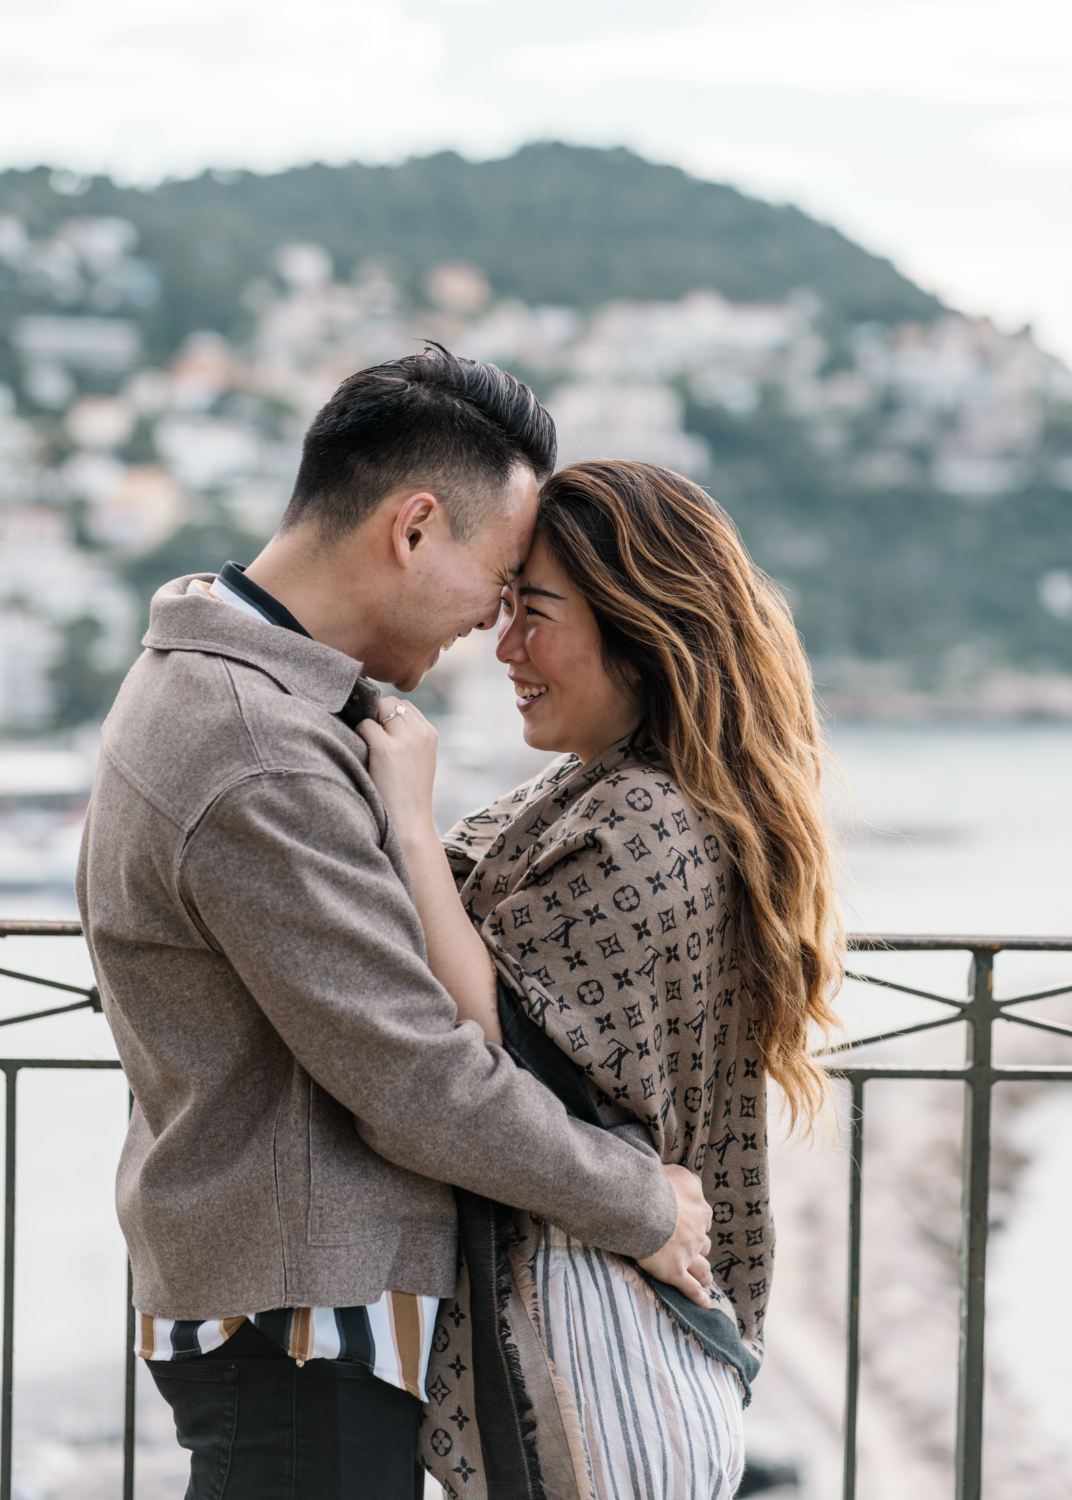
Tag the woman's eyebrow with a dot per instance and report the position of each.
(543, 593)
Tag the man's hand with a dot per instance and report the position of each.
(682, 1262)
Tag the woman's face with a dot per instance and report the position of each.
(549, 639)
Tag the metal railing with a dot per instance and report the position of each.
(979, 1011)
(12, 1067)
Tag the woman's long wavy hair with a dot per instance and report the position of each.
(728, 709)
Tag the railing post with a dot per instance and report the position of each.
(131, 1367)
(975, 1213)
(11, 1074)
(852, 1366)
(130, 1395)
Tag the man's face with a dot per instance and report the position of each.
(452, 587)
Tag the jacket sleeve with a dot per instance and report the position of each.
(290, 876)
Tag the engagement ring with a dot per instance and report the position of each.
(394, 714)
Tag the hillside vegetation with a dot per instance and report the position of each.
(552, 224)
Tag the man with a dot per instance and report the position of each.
(303, 1093)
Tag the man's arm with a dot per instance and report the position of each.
(287, 876)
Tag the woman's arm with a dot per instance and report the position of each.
(402, 757)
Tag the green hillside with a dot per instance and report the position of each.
(552, 224)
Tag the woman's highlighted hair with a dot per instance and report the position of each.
(728, 709)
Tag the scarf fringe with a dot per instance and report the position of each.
(523, 1405)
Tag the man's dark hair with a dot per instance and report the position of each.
(429, 420)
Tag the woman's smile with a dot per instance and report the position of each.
(528, 694)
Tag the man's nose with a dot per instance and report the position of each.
(490, 615)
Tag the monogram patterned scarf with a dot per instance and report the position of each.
(607, 908)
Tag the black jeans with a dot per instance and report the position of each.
(260, 1428)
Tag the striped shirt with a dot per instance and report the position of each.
(393, 1335)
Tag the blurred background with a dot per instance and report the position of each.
(813, 253)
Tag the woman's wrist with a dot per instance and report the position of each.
(416, 830)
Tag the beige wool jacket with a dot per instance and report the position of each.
(303, 1092)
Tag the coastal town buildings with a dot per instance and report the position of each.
(108, 450)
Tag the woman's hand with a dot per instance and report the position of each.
(682, 1262)
(402, 763)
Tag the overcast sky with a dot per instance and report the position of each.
(935, 131)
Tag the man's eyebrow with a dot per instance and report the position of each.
(543, 593)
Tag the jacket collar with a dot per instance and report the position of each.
(179, 621)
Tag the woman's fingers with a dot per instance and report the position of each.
(700, 1269)
(682, 1261)
(402, 763)
(694, 1289)
(696, 1281)
(690, 1273)
(698, 1293)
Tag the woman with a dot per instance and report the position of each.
(650, 926)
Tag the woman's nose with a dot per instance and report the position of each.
(511, 645)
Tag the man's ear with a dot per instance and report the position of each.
(412, 521)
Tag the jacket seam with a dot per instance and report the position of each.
(131, 777)
(279, 1206)
(241, 712)
(195, 827)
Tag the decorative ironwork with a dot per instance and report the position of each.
(979, 1011)
(12, 1067)
(979, 1075)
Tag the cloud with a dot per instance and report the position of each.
(1043, 136)
(174, 85)
(935, 131)
(964, 53)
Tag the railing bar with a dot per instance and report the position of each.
(131, 1390)
(852, 1362)
(1027, 1073)
(1054, 1026)
(975, 1212)
(8, 1368)
(881, 1070)
(53, 984)
(59, 1062)
(862, 942)
(1042, 995)
(1031, 1073)
(887, 1036)
(57, 1010)
(40, 929)
(130, 1393)
(858, 942)
(904, 989)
